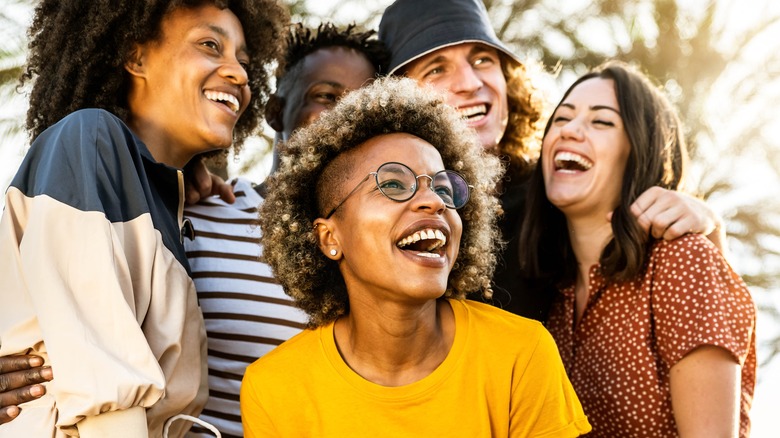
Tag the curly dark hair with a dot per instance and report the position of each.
(78, 49)
(388, 105)
(657, 157)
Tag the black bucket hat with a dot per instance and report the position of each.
(413, 28)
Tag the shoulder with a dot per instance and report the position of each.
(90, 116)
(84, 123)
(693, 248)
(86, 160)
(286, 359)
(691, 257)
(502, 328)
(83, 135)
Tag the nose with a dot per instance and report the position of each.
(425, 199)
(465, 79)
(234, 72)
(572, 129)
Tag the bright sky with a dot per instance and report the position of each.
(754, 178)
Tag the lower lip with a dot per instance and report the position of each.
(430, 262)
(570, 172)
(475, 123)
(224, 108)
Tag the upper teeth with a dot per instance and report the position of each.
(472, 110)
(562, 157)
(218, 96)
(427, 234)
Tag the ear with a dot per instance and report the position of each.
(273, 112)
(326, 236)
(135, 61)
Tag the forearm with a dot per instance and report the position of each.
(705, 389)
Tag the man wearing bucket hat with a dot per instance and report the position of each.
(451, 45)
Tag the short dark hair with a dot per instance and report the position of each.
(78, 49)
(303, 41)
(657, 157)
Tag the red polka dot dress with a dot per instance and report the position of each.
(619, 355)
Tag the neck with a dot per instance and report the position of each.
(588, 237)
(393, 346)
(155, 139)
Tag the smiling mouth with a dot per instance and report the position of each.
(426, 243)
(571, 162)
(473, 113)
(224, 98)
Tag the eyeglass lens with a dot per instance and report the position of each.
(399, 183)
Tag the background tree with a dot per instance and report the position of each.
(13, 43)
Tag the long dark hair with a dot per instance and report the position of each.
(657, 157)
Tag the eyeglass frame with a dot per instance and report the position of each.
(469, 187)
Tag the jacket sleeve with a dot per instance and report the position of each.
(73, 288)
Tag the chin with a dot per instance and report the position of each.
(222, 141)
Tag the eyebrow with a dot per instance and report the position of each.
(222, 32)
(435, 60)
(328, 83)
(593, 108)
(478, 48)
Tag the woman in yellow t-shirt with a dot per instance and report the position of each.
(364, 227)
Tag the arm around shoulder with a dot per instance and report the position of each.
(668, 214)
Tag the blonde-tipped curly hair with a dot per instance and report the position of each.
(388, 105)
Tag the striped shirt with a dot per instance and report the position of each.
(245, 310)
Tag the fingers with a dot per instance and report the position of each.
(667, 214)
(12, 381)
(200, 183)
(197, 181)
(10, 399)
(20, 378)
(223, 189)
(18, 363)
(8, 414)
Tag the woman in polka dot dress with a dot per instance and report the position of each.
(658, 337)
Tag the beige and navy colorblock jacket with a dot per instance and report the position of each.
(93, 277)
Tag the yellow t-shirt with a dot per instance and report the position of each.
(503, 377)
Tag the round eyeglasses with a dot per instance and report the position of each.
(398, 182)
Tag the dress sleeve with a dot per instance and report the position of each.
(543, 400)
(69, 271)
(697, 299)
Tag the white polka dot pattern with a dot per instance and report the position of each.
(631, 334)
